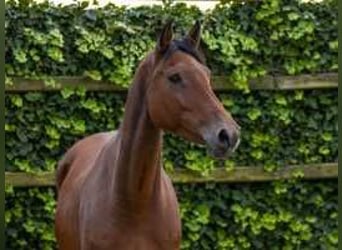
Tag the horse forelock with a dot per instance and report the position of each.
(150, 63)
(184, 46)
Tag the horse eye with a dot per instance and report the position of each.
(175, 78)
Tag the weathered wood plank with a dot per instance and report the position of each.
(220, 83)
(29, 180)
(24, 84)
(326, 80)
(257, 174)
(240, 174)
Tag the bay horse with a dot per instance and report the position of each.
(112, 190)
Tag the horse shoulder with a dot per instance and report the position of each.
(81, 152)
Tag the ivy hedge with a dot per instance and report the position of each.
(275, 216)
(294, 127)
(241, 41)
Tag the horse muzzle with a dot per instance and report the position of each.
(222, 141)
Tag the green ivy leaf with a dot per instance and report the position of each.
(17, 101)
(107, 52)
(93, 74)
(20, 56)
(326, 136)
(254, 114)
(55, 54)
(67, 92)
(52, 132)
(280, 100)
(324, 150)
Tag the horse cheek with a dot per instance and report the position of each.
(161, 110)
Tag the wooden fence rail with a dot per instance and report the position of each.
(238, 175)
(220, 83)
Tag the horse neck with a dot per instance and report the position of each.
(138, 166)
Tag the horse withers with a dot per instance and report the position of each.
(112, 190)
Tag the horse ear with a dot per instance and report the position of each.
(194, 35)
(165, 37)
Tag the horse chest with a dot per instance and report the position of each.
(157, 227)
(131, 240)
(125, 234)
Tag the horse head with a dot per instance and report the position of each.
(180, 98)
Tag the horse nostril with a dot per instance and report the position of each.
(224, 138)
